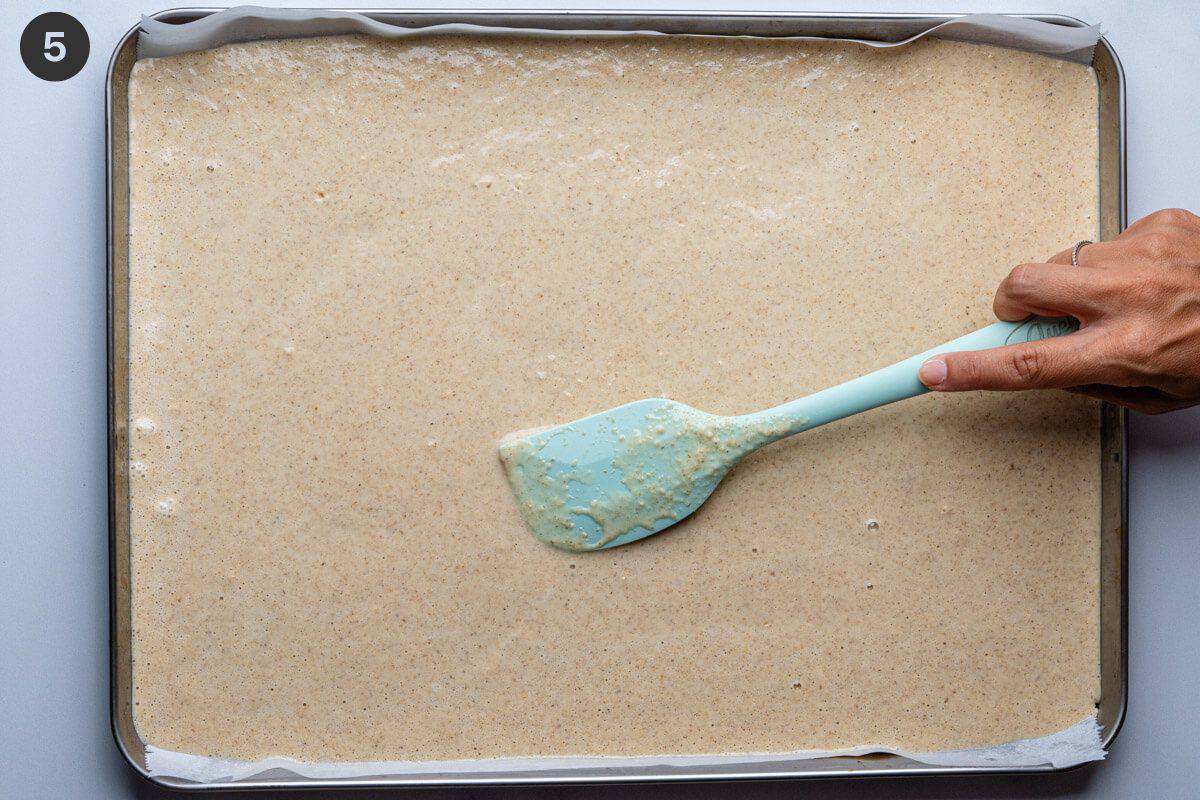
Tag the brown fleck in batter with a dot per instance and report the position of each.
(356, 264)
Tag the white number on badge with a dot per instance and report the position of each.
(60, 49)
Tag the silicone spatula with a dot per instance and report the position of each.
(630, 472)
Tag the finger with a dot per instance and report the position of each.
(1096, 254)
(1051, 290)
(1047, 364)
(1138, 225)
(1137, 398)
(1179, 219)
(1061, 257)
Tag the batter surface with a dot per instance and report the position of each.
(357, 264)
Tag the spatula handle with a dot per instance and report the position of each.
(899, 381)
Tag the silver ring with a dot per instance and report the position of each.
(1075, 251)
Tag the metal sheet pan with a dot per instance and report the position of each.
(1113, 457)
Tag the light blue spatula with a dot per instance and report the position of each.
(625, 474)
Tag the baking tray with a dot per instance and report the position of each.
(1113, 465)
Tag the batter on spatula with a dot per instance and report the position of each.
(622, 475)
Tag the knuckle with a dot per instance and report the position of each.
(1118, 371)
(1136, 292)
(1021, 281)
(1155, 244)
(1027, 365)
(1150, 289)
(1136, 346)
(1128, 357)
(1175, 216)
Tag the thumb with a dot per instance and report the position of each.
(1047, 364)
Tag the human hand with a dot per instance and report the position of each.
(1137, 299)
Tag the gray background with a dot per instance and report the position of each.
(54, 734)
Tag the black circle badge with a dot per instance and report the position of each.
(54, 46)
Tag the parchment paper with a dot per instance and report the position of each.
(252, 23)
(1075, 745)
(1067, 748)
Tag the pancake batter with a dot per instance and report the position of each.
(356, 264)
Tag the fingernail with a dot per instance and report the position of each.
(932, 372)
